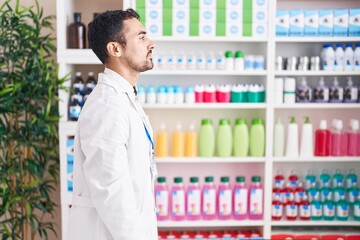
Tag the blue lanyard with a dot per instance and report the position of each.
(149, 137)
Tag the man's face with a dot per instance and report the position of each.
(137, 53)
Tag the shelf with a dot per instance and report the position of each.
(207, 106)
(316, 159)
(319, 106)
(206, 72)
(316, 39)
(210, 160)
(315, 223)
(315, 73)
(208, 39)
(211, 223)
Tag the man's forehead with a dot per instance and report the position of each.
(133, 27)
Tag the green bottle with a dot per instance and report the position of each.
(357, 209)
(324, 177)
(309, 179)
(353, 194)
(325, 192)
(342, 209)
(316, 209)
(206, 139)
(351, 178)
(339, 191)
(257, 138)
(241, 138)
(338, 178)
(329, 209)
(313, 192)
(224, 139)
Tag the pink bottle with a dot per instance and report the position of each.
(208, 199)
(240, 199)
(210, 93)
(193, 202)
(199, 93)
(178, 200)
(224, 199)
(338, 140)
(162, 199)
(353, 138)
(256, 199)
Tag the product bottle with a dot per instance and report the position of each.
(338, 178)
(229, 61)
(287, 193)
(306, 149)
(178, 143)
(303, 92)
(209, 199)
(224, 139)
(339, 191)
(322, 140)
(201, 61)
(141, 94)
(240, 199)
(161, 96)
(313, 192)
(351, 92)
(78, 84)
(181, 61)
(291, 209)
(316, 209)
(162, 142)
(151, 95)
(324, 178)
(206, 139)
(178, 200)
(339, 58)
(357, 209)
(75, 107)
(170, 61)
(325, 192)
(193, 202)
(77, 33)
(299, 193)
(289, 90)
(338, 140)
(292, 146)
(329, 209)
(89, 85)
(349, 58)
(241, 138)
(257, 138)
(336, 94)
(224, 199)
(293, 179)
(191, 142)
(162, 199)
(239, 61)
(353, 194)
(353, 138)
(309, 179)
(328, 58)
(220, 61)
(351, 178)
(277, 209)
(210, 61)
(191, 61)
(279, 179)
(304, 209)
(357, 58)
(279, 139)
(321, 92)
(190, 95)
(256, 200)
(199, 93)
(170, 95)
(179, 95)
(342, 209)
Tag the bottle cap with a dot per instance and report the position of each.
(206, 121)
(228, 54)
(257, 121)
(78, 74)
(209, 179)
(141, 89)
(323, 124)
(194, 179)
(189, 89)
(292, 120)
(178, 89)
(339, 125)
(151, 89)
(239, 54)
(354, 124)
(178, 126)
(278, 121)
(161, 179)
(321, 82)
(349, 82)
(224, 179)
(170, 89)
(90, 74)
(178, 180)
(224, 121)
(162, 89)
(239, 121)
(256, 179)
(339, 45)
(349, 45)
(192, 127)
(307, 120)
(240, 179)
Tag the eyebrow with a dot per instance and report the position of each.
(142, 32)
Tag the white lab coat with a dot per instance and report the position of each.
(113, 187)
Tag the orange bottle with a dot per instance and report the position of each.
(162, 142)
(191, 142)
(178, 146)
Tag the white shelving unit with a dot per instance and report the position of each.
(271, 46)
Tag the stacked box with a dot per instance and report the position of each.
(326, 23)
(311, 23)
(296, 23)
(354, 22)
(341, 22)
(282, 23)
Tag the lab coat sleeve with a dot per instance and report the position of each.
(104, 132)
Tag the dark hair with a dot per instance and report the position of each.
(108, 27)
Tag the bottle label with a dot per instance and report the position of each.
(178, 203)
(74, 111)
(209, 202)
(336, 93)
(305, 211)
(329, 210)
(78, 87)
(309, 181)
(350, 181)
(225, 202)
(162, 204)
(291, 210)
(288, 196)
(90, 86)
(351, 93)
(314, 193)
(279, 183)
(321, 94)
(324, 194)
(256, 199)
(193, 203)
(342, 210)
(338, 194)
(357, 210)
(316, 210)
(337, 180)
(240, 204)
(277, 210)
(299, 196)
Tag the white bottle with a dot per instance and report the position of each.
(191, 61)
(349, 58)
(141, 94)
(181, 61)
(249, 62)
(229, 61)
(279, 139)
(307, 146)
(220, 61)
(201, 61)
(170, 61)
(170, 95)
(210, 61)
(357, 58)
(279, 90)
(161, 95)
(351, 92)
(328, 58)
(151, 95)
(259, 62)
(292, 145)
(239, 61)
(339, 58)
(190, 95)
(179, 95)
(289, 90)
(159, 61)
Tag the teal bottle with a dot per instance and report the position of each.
(356, 209)
(329, 209)
(257, 138)
(241, 138)
(224, 139)
(206, 138)
(313, 192)
(353, 194)
(309, 179)
(342, 209)
(338, 178)
(325, 192)
(316, 209)
(324, 177)
(339, 191)
(351, 178)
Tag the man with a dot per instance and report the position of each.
(113, 170)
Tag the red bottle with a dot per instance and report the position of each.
(322, 140)
(276, 209)
(287, 193)
(293, 179)
(291, 209)
(304, 209)
(279, 179)
(299, 193)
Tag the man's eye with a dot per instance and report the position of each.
(143, 37)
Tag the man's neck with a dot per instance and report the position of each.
(126, 73)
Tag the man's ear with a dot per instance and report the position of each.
(114, 49)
